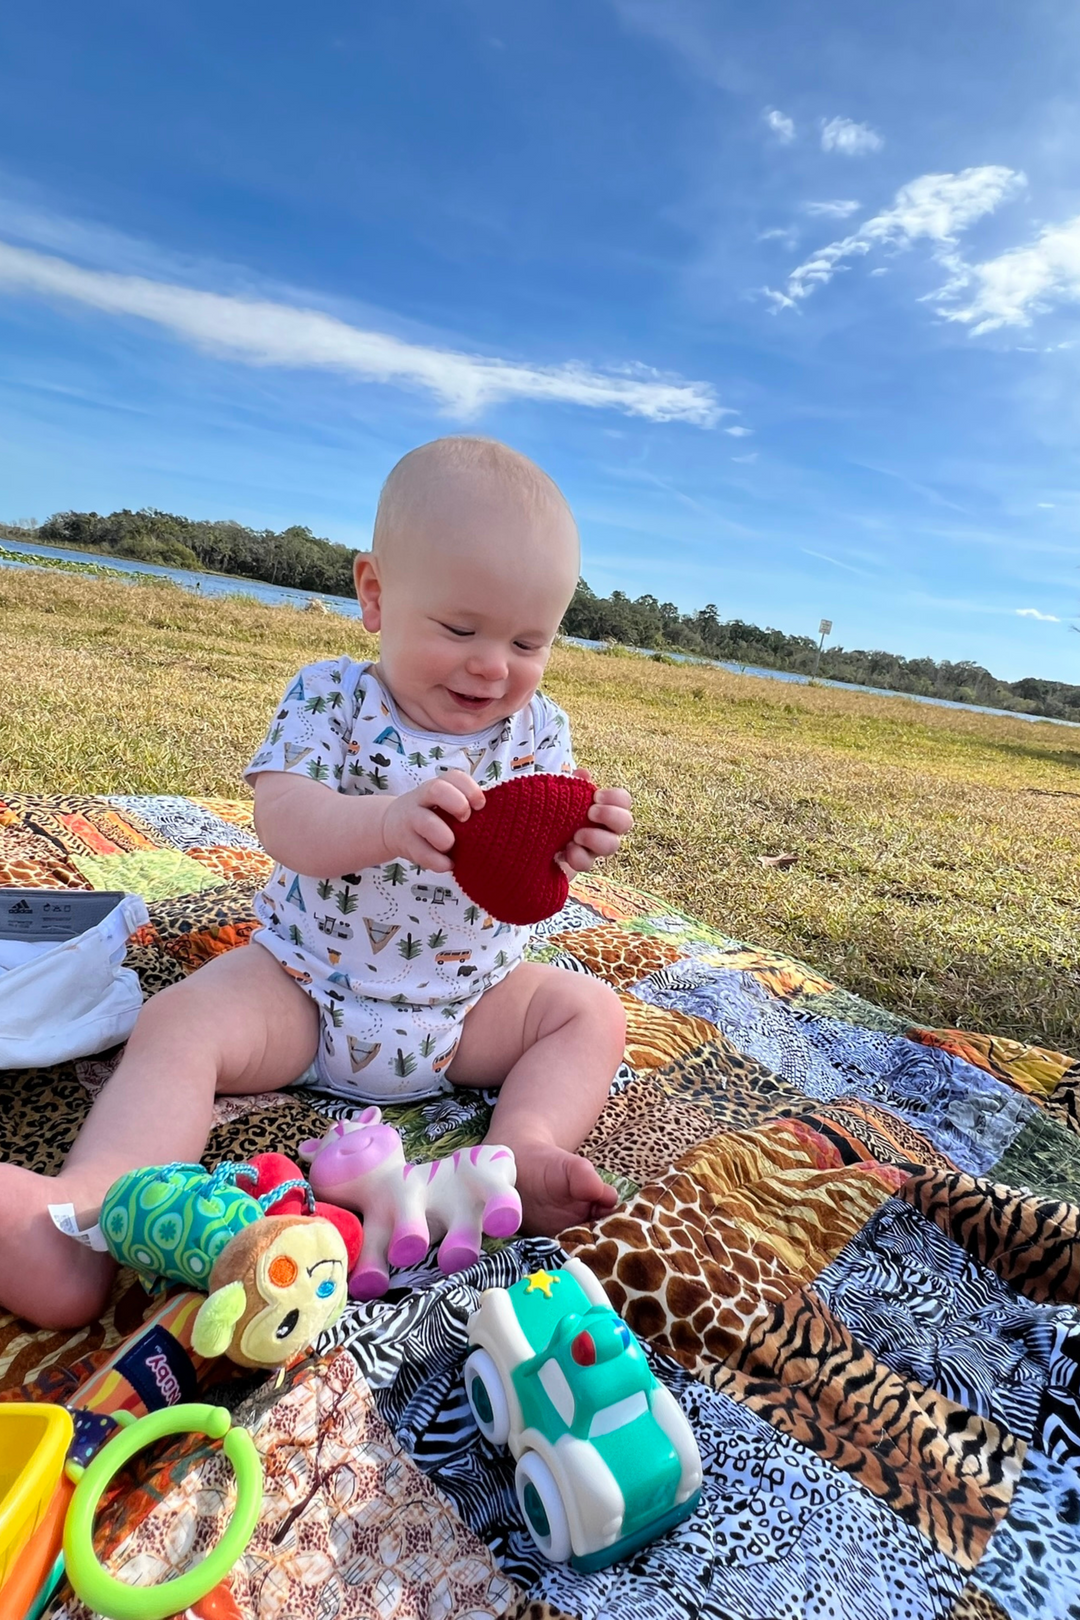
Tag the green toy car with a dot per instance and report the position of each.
(606, 1461)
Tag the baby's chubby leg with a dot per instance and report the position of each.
(237, 1025)
(553, 1041)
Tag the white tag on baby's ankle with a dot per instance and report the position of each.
(63, 1218)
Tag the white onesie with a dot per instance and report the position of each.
(394, 955)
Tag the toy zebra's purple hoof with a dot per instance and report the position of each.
(368, 1282)
(457, 1252)
(408, 1245)
(502, 1215)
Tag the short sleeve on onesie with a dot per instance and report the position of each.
(310, 732)
(397, 932)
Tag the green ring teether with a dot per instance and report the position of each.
(117, 1600)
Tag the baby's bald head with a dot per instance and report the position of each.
(459, 494)
(473, 564)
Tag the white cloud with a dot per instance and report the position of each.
(786, 235)
(1046, 506)
(936, 207)
(739, 432)
(853, 140)
(835, 561)
(264, 332)
(842, 208)
(1019, 284)
(781, 125)
(1033, 613)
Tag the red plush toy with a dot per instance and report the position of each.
(273, 1170)
(504, 855)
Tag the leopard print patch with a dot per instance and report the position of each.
(737, 1090)
(943, 1469)
(191, 951)
(975, 1605)
(155, 967)
(643, 1130)
(41, 1111)
(224, 907)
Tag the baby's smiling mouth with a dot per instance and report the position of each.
(468, 699)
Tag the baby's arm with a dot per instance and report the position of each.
(319, 832)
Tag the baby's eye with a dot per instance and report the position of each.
(455, 631)
(526, 646)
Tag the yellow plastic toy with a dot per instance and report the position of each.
(34, 1439)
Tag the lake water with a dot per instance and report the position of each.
(207, 584)
(229, 585)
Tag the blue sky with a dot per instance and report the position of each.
(784, 296)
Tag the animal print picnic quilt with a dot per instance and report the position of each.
(850, 1247)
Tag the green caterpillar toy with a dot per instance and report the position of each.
(274, 1281)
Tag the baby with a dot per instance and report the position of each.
(358, 966)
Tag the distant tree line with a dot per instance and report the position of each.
(296, 557)
(645, 622)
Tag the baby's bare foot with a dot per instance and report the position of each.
(44, 1275)
(558, 1189)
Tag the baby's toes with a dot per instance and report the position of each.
(583, 1182)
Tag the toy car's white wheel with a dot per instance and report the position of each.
(487, 1398)
(542, 1505)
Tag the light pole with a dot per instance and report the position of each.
(824, 629)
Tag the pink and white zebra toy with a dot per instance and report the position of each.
(359, 1164)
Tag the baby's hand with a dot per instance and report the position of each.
(411, 827)
(610, 818)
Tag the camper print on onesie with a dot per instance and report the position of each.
(394, 955)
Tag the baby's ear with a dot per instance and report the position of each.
(368, 589)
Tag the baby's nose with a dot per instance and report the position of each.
(487, 663)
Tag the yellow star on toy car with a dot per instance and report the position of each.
(541, 1282)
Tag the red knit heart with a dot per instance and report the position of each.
(504, 855)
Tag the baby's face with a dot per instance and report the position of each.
(467, 606)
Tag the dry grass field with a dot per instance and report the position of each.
(938, 860)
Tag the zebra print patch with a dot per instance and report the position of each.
(1057, 1428)
(934, 1314)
